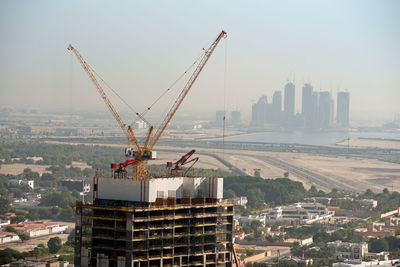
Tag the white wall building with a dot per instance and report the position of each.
(6, 237)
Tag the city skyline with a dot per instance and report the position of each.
(317, 109)
(336, 46)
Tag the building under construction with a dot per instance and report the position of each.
(153, 221)
(175, 221)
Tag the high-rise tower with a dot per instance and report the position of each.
(325, 109)
(343, 109)
(289, 100)
(307, 105)
(277, 107)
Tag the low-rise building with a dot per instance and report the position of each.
(240, 201)
(39, 228)
(30, 183)
(4, 222)
(301, 212)
(377, 230)
(246, 220)
(345, 250)
(354, 263)
(40, 263)
(7, 237)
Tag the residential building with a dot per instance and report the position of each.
(240, 201)
(325, 109)
(301, 212)
(39, 228)
(346, 250)
(259, 112)
(277, 107)
(355, 263)
(30, 183)
(247, 220)
(307, 108)
(219, 118)
(235, 118)
(7, 237)
(343, 109)
(377, 230)
(289, 101)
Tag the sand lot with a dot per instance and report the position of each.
(32, 243)
(18, 168)
(356, 173)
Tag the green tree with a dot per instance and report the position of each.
(250, 252)
(229, 193)
(29, 174)
(23, 236)
(4, 204)
(54, 244)
(255, 198)
(379, 245)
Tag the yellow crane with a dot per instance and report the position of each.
(142, 153)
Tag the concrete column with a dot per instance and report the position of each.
(129, 243)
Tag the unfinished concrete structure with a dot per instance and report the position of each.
(175, 221)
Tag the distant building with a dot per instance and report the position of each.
(309, 105)
(259, 112)
(139, 124)
(379, 230)
(325, 109)
(235, 118)
(355, 263)
(289, 100)
(6, 237)
(240, 201)
(343, 109)
(30, 183)
(277, 107)
(219, 118)
(79, 185)
(247, 220)
(301, 212)
(39, 228)
(345, 250)
(39, 263)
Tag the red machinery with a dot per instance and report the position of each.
(178, 170)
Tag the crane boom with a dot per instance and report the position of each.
(185, 91)
(128, 131)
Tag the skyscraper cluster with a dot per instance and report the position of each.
(317, 109)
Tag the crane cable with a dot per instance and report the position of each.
(172, 85)
(126, 103)
(225, 82)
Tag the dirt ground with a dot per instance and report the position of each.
(18, 168)
(32, 243)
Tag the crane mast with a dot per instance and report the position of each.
(145, 152)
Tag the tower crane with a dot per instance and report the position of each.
(142, 153)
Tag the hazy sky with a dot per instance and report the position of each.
(140, 48)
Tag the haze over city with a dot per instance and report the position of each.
(141, 49)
